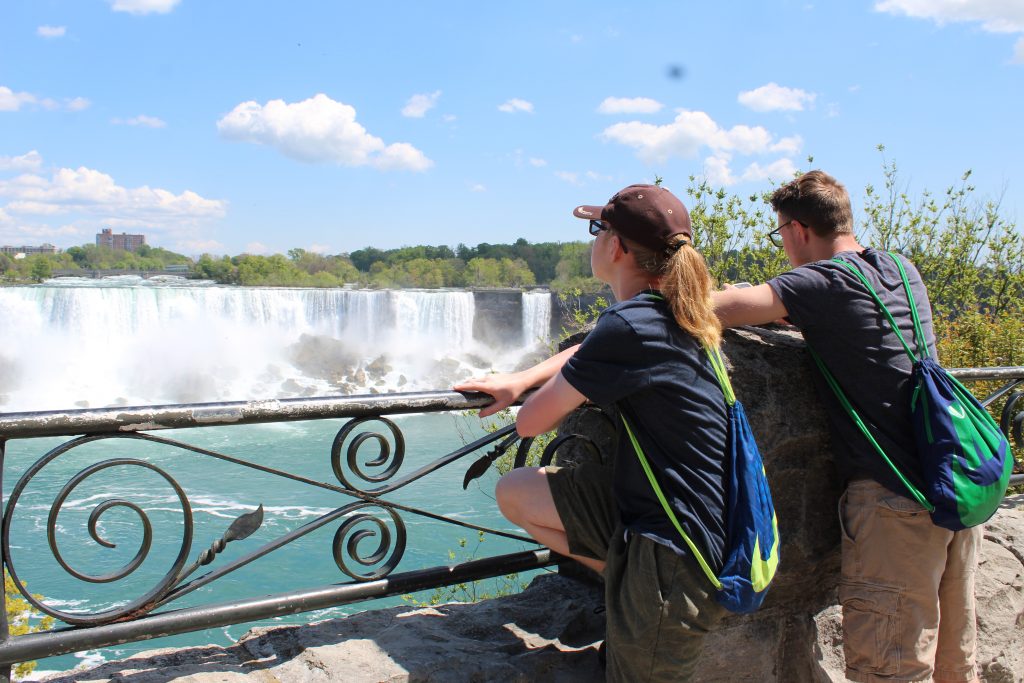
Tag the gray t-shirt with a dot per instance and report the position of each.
(844, 325)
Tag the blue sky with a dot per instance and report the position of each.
(226, 126)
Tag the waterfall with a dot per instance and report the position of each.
(536, 318)
(92, 343)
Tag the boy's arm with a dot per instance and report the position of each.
(506, 388)
(758, 305)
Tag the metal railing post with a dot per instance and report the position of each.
(5, 669)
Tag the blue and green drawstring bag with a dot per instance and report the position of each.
(965, 458)
(752, 541)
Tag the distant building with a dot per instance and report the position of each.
(124, 241)
(26, 250)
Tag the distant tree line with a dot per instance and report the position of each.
(37, 267)
(560, 265)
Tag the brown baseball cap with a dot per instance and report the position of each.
(646, 214)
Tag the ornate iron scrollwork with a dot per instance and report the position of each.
(138, 605)
(384, 458)
(240, 528)
(349, 537)
(1013, 424)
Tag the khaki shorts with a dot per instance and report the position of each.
(659, 605)
(907, 590)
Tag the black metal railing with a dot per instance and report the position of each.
(363, 512)
(366, 458)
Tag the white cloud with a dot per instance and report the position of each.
(627, 105)
(141, 120)
(77, 104)
(515, 104)
(19, 233)
(790, 145)
(143, 6)
(13, 101)
(90, 193)
(30, 161)
(51, 31)
(717, 172)
(687, 134)
(774, 97)
(319, 248)
(4, 218)
(419, 105)
(569, 177)
(594, 175)
(995, 16)
(477, 187)
(448, 118)
(537, 162)
(257, 248)
(200, 246)
(780, 170)
(317, 130)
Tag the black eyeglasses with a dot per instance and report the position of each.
(776, 235)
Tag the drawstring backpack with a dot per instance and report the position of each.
(964, 456)
(752, 540)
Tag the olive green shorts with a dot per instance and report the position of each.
(659, 605)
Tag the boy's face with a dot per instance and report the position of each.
(792, 239)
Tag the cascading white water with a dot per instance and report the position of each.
(536, 318)
(97, 343)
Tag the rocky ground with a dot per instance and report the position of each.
(550, 633)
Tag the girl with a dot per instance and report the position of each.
(645, 359)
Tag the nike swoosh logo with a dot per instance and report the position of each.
(762, 571)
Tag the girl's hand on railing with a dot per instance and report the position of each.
(505, 388)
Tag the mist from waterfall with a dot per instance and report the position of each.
(94, 343)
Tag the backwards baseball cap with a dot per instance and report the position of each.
(647, 214)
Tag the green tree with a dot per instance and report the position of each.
(40, 267)
(483, 272)
(20, 617)
(573, 269)
(970, 256)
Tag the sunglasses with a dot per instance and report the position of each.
(596, 227)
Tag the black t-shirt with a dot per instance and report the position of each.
(660, 379)
(844, 325)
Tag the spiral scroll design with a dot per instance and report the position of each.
(141, 603)
(389, 462)
(349, 537)
(1012, 423)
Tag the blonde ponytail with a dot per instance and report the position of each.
(687, 287)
